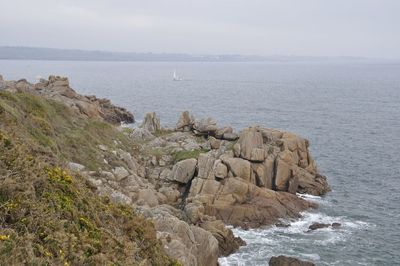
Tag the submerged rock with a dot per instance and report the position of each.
(288, 261)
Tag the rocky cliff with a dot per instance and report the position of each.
(190, 181)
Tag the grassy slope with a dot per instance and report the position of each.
(47, 216)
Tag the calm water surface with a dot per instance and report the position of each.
(350, 112)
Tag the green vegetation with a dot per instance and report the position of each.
(49, 216)
(183, 155)
(55, 131)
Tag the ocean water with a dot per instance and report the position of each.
(350, 112)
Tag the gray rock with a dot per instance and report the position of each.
(151, 122)
(221, 131)
(120, 173)
(288, 261)
(206, 126)
(141, 134)
(230, 136)
(220, 170)
(250, 138)
(185, 122)
(147, 197)
(75, 167)
(183, 171)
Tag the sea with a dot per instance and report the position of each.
(349, 111)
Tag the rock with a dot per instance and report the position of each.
(120, 197)
(194, 212)
(264, 173)
(250, 138)
(239, 167)
(336, 225)
(185, 122)
(230, 136)
(257, 155)
(75, 167)
(236, 149)
(171, 194)
(227, 242)
(183, 171)
(120, 173)
(147, 197)
(206, 126)
(151, 122)
(293, 185)
(111, 113)
(220, 170)
(214, 143)
(316, 226)
(141, 134)
(288, 261)
(221, 131)
(103, 147)
(189, 244)
(205, 166)
(282, 225)
(237, 202)
(283, 174)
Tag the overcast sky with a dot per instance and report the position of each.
(264, 27)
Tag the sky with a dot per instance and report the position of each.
(369, 28)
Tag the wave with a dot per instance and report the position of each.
(295, 240)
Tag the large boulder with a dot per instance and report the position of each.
(251, 142)
(185, 122)
(288, 261)
(205, 126)
(183, 171)
(151, 122)
(227, 242)
(189, 244)
(239, 167)
(205, 166)
(240, 203)
(219, 133)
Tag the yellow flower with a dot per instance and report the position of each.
(4, 237)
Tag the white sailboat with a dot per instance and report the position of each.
(176, 77)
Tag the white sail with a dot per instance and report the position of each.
(176, 77)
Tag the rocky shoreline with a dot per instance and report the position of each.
(193, 180)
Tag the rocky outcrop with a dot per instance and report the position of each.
(58, 88)
(190, 244)
(185, 122)
(195, 180)
(288, 261)
(151, 122)
(227, 242)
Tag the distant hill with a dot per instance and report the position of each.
(33, 53)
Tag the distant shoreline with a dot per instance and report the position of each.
(51, 54)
